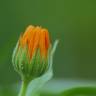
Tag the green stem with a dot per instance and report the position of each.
(23, 88)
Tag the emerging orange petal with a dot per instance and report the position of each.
(35, 38)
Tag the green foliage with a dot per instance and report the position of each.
(80, 91)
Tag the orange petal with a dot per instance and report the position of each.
(36, 38)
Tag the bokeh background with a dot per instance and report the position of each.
(73, 22)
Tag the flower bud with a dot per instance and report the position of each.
(30, 56)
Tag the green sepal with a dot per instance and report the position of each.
(21, 60)
(14, 56)
(26, 67)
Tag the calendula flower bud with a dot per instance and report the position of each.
(30, 56)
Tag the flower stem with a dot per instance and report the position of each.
(23, 88)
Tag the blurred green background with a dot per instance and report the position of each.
(73, 22)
